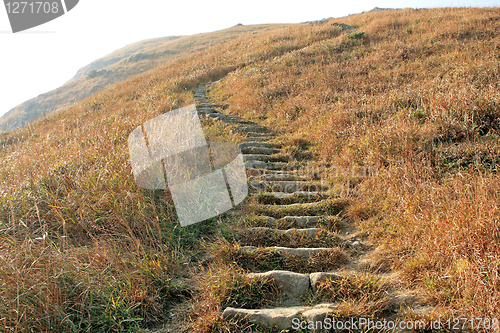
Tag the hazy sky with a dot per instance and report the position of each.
(45, 57)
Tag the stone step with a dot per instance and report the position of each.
(250, 129)
(293, 284)
(268, 174)
(258, 150)
(287, 186)
(284, 198)
(269, 166)
(289, 283)
(303, 252)
(328, 206)
(297, 195)
(283, 176)
(205, 110)
(296, 205)
(261, 134)
(311, 232)
(255, 144)
(214, 115)
(260, 138)
(301, 220)
(283, 318)
(206, 106)
(256, 175)
(223, 118)
(298, 222)
(264, 158)
(256, 164)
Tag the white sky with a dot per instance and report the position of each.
(45, 57)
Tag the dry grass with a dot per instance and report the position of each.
(262, 259)
(358, 296)
(325, 207)
(224, 285)
(265, 237)
(416, 97)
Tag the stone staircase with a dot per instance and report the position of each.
(303, 216)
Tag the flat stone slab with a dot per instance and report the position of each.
(258, 186)
(292, 186)
(256, 138)
(263, 158)
(259, 133)
(269, 219)
(205, 112)
(280, 317)
(259, 150)
(281, 176)
(250, 129)
(302, 220)
(311, 232)
(259, 136)
(273, 175)
(271, 167)
(206, 105)
(294, 205)
(299, 251)
(256, 164)
(297, 195)
(289, 283)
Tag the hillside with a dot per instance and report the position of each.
(118, 66)
(386, 125)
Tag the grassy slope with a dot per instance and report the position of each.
(120, 65)
(415, 96)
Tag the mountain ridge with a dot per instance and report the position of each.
(120, 65)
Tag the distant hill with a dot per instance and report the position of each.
(118, 66)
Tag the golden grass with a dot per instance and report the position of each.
(415, 97)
